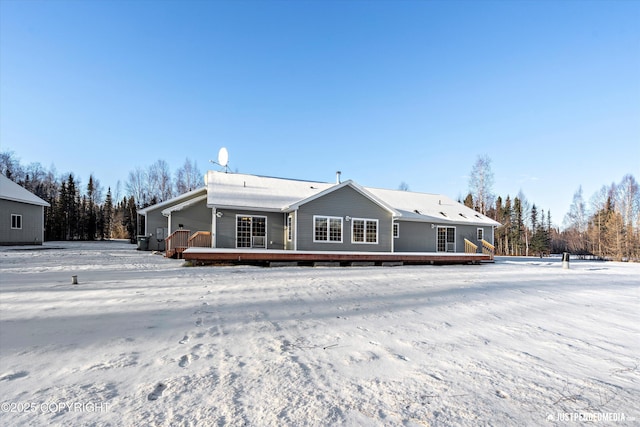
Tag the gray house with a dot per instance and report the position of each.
(247, 212)
(21, 215)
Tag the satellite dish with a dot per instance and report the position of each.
(223, 157)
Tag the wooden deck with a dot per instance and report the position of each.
(204, 256)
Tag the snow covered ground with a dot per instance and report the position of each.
(142, 340)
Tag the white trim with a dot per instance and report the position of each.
(266, 229)
(328, 218)
(214, 227)
(446, 243)
(478, 238)
(295, 235)
(366, 220)
(186, 204)
(173, 201)
(18, 219)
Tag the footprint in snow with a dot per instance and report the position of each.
(502, 394)
(184, 361)
(16, 375)
(199, 321)
(157, 392)
(184, 340)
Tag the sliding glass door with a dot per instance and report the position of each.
(251, 231)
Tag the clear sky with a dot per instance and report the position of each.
(385, 91)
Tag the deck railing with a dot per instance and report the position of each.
(470, 247)
(488, 248)
(200, 239)
(176, 243)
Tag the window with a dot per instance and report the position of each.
(480, 234)
(251, 231)
(364, 230)
(327, 229)
(289, 228)
(16, 222)
(396, 230)
(446, 239)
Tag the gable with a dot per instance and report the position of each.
(344, 201)
(354, 189)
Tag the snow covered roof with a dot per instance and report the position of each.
(431, 208)
(9, 190)
(258, 192)
(280, 194)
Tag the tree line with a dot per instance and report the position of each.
(608, 227)
(87, 212)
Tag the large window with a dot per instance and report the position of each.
(446, 239)
(251, 231)
(364, 230)
(16, 222)
(327, 229)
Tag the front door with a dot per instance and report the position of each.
(251, 231)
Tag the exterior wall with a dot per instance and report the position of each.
(226, 228)
(32, 231)
(415, 237)
(421, 237)
(342, 203)
(193, 218)
(155, 220)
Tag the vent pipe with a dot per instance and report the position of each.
(338, 173)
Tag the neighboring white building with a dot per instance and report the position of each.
(21, 215)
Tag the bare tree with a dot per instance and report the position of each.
(576, 222)
(160, 186)
(136, 186)
(188, 177)
(525, 208)
(481, 184)
(628, 200)
(10, 166)
(577, 215)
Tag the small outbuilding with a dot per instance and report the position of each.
(21, 215)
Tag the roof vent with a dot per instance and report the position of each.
(443, 214)
(338, 173)
(418, 212)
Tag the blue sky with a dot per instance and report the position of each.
(386, 92)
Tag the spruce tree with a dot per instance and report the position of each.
(107, 215)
